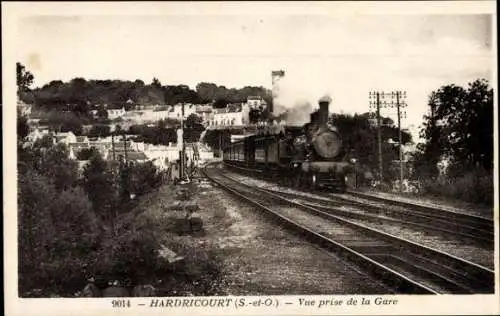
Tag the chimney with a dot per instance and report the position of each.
(313, 117)
(324, 103)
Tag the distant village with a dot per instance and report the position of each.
(124, 147)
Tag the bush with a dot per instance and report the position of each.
(58, 232)
(474, 186)
(132, 256)
(87, 153)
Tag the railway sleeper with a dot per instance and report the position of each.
(436, 279)
(461, 275)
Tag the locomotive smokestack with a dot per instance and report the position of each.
(324, 104)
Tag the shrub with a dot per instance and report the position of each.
(131, 256)
(58, 233)
(474, 186)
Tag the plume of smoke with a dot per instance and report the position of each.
(296, 97)
(296, 115)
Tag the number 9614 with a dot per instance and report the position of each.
(120, 303)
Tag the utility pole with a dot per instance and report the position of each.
(220, 143)
(125, 145)
(398, 95)
(181, 140)
(113, 145)
(376, 103)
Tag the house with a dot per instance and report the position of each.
(205, 111)
(231, 115)
(65, 138)
(86, 128)
(23, 108)
(128, 154)
(82, 139)
(115, 113)
(175, 112)
(256, 102)
(36, 134)
(139, 107)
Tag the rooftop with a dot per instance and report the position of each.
(131, 155)
(230, 108)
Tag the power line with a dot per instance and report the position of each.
(377, 101)
(398, 101)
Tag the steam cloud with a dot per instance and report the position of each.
(296, 98)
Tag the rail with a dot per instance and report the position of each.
(459, 275)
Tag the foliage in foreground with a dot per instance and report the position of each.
(64, 218)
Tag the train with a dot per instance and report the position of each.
(309, 156)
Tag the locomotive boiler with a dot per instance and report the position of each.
(309, 156)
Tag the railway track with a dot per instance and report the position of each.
(482, 225)
(465, 227)
(468, 227)
(403, 265)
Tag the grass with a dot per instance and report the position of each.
(473, 187)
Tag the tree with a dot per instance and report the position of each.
(98, 184)
(220, 103)
(429, 154)
(459, 127)
(206, 91)
(51, 161)
(193, 121)
(99, 130)
(87, 153)
(24, 78)
(359, 140)
(23, 128)
(180, 94)
(156, 83)
(57, 231)
(144, 178)
(209, 92)
(102, 113)
(64, 121)
(57, 166)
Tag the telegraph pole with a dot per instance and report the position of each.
(181, 140)
(398, 95)
(113, 145)
(398, 103)
(376, 95)
(401, 172)
(220, 143)
(125, 145)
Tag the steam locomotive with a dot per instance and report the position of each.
(309, 157)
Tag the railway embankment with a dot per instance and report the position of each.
(197, 239)
(158, 249)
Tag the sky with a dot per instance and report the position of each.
(342, 55)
